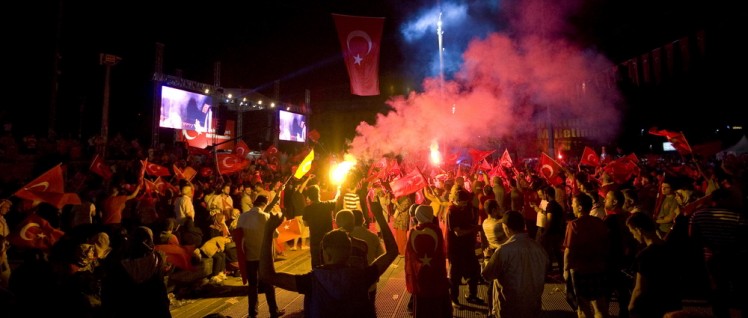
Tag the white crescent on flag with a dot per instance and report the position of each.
(544, 167)
(187, 136)
(44, 184)
(428, 232)
(26, 228)
(591, 158)
(152, 168)
(225, 162)
(241, 151)
(361, 34)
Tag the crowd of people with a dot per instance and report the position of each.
(647, 241)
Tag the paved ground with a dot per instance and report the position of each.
(392, 297)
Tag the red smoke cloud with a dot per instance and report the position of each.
(509, 85)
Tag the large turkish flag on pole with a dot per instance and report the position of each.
(360, 41)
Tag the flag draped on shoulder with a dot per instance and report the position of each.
(305, 165)
(360, 41)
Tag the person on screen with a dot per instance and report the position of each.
(206, 116)
(172, 118)
(297, 128)
(191, 115)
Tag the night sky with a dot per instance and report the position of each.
(295, 42)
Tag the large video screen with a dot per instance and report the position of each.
(182, 109)
(668, 146)
(292, 126)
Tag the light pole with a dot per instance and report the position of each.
(108, 60)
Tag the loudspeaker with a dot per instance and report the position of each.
(221, 117)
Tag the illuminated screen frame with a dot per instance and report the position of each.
(181, 109)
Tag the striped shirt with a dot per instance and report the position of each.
(351, 201)
(719, 229)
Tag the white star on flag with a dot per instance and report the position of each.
(357, 59)
(425, 260)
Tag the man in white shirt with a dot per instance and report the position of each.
(252, 224)
(183, 207)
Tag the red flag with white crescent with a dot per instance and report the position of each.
(241, 149)
(98, 166)
(410, 183)
(589, 157)
(230, 163)
(177, 172)
(288, 230)
(36, 232)
(48, 188)
(550, 169)
(360, 41)
(50, 181)
(426, 270)
(156, 170)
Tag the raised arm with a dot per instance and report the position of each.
(272, 204)
(268, 274)
(134, 193)
(384, 260)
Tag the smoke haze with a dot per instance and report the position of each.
(509, 83)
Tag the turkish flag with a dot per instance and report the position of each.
(410, 183)
(506, 160)
(425, 270)
(360, 41)
(195, 139)
(36, 232)
(288, 230)
(676, 138)
(230, 163)
(622, 169)
(161, 185)
(478, 155)
(177, 255)
(149, 186)
(48, 188)
(550, 169)
(241, 149)
(155, 170)
(98, 166)
(177, 172)
(485, 166)
(590, 157)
